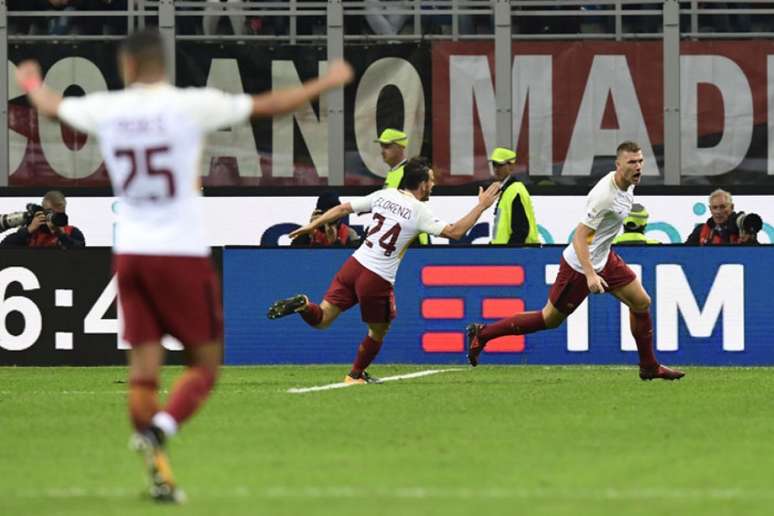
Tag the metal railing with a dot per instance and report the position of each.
(336, 22)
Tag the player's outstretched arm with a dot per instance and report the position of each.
(279, 102)
(486, 198)
(335, 213)
(29, 79)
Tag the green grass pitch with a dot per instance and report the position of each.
(492, 440)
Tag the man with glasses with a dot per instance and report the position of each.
(514, 216)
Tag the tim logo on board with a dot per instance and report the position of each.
(675, 303)
(699, 310)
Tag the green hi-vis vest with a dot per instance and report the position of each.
(394, 176)
(634, 238)
(393, 181)
(502, 224)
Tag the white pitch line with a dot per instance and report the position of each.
(341, 385)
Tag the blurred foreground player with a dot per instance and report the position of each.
(367, 277)
(588, 265)
(151, 136)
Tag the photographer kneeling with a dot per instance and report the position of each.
(46, 225)
(726, 226)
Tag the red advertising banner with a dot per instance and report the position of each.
(573, 102)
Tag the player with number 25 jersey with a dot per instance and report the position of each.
(151, 136)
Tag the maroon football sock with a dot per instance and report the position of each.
(189, 393)
(519, 324)
(311, 314)
(143, 402)
(642, 330)
(366, 353)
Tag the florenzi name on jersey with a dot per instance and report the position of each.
(393, 207)
(397, 218)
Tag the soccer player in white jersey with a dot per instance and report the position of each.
(367, 277)
(151, 136)
(588, 265)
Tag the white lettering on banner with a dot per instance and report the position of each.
(470, 81)
(83, 162)
(627, 340)
(609, 76)
(578, 322)
(770, 112)
(389, 71)
(313, 129)
(673, 294)
(237, 141)
(33, 320)
(17, 143)
(533, 81)
(737, 107)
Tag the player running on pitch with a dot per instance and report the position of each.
(367, 277)
(588, 265)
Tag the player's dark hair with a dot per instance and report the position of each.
(415, 171)
(146, 46)
(628, 146)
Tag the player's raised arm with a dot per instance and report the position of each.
(485, 199)
(279, 102)
(335, 213)
(42, 98)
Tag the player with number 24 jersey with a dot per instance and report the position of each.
(367, 277)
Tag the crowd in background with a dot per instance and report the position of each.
(377, 21)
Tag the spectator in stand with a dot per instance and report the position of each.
(210, 22)
(386, 24)
(267, 24)
(62, 25)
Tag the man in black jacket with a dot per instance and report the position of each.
(49, 227)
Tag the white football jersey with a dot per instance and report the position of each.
(151, 138)
(606, 208)
(397, 218)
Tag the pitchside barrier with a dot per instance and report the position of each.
(710, 306)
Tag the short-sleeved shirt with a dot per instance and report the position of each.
(151, 138)
(398, 217)
(606, 208)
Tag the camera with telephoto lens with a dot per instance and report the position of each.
(17, 218)
(749, 223)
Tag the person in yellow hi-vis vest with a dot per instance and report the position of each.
(514, 217)
(393, 144)
(634, 228)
